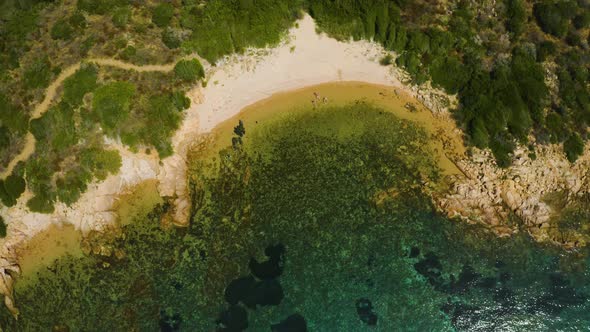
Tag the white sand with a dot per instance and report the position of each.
(304, 59)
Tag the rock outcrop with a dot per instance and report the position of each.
(490, 195)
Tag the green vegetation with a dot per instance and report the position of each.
(162, 14)
(386, 60)
(189, 70)
(11, 189)
(121, 17)
(516, 16)
(574, 147)
(38, 74)
(112, 103)
(222, 27)
(554, 17)
(2, 227)
(161, 116)
(62, 30)
(79, 84)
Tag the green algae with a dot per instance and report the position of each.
(344, 191)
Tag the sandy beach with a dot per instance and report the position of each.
(304, 58)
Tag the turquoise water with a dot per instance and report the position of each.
(320, 220)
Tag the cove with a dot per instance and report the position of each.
(315, 219)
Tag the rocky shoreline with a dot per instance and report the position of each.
(490, 195)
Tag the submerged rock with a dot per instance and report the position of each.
(273, 267)
(233, 319)
(239, 289)
(264, 293)
(293, 323)
(364, 309)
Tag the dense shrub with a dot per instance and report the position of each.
(111, 103)
(222, 27)
(11, 188)
(78, 21)
(170, 39)
(100, 7)
(515, 16)
(582, 20)
(56, 129)
(14, 118)
(161, 120)
(449, 73)
(386, 60)
(121, 17)
(100, 162)
(2, 227)
(79, 84)
(573, 147)
(38, 74)
(554, 18)
(162, 14)
(545, 49)
(189, 70)
(62, 30)
(4, 137)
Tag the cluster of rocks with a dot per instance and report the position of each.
(489, 195)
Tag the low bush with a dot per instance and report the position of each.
(189, 70)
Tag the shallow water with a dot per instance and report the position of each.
(317, 219)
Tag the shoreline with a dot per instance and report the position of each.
(303, 59)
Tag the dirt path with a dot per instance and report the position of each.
(52, 90)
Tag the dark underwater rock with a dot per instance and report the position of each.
(431, 268)
(264, 293)
(467, 278)
(233, 319)
(169, 323)
(239, 289)
(273, 267)
(560, 295)
(253, 293)
(414, 252)
(364, 309)
(293, 323)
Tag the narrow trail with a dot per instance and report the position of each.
(52, 89)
